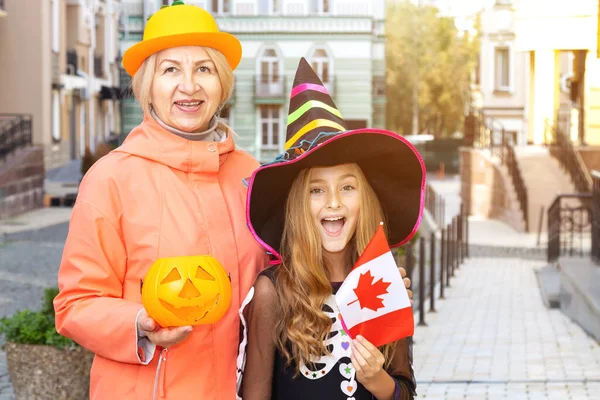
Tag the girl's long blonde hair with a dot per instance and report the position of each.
(302, 281)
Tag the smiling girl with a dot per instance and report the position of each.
(315, 209)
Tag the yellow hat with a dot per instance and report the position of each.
(181, 25)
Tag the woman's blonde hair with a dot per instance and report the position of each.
(141, 83)
(302, 281)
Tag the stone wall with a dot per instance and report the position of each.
(56, 154)
(22, 182)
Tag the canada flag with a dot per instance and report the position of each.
(373, 301)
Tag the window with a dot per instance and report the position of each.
(270, 126)
(321, 6)
(269, 7)
(502, 69)
(269, 80)
(322, 65)
(220, 6)
(275, 6)
(269, 66)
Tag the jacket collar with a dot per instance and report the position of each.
(152, 141)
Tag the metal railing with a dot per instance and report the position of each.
(269, 86)
(568, 157)
(485, 133)
(517, 180)
(436, 266)
(569, 226)
(15, 133)
(435, 204)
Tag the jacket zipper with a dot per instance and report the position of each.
(159, 378)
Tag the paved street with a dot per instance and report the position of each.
(492, 338)
(28, 264)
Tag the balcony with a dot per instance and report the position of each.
(269, 89)
(260, 24)
(98, 66)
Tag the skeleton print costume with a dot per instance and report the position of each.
(263, 373)
(316, 136)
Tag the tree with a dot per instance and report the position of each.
(419, 39)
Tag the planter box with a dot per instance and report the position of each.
(47, 373)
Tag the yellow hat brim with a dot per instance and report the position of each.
(226, 43)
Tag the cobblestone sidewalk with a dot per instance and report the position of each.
(492, 338)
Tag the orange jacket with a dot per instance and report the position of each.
(158, 195)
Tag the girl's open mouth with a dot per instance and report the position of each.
(333, 225)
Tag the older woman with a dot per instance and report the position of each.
(174, 188)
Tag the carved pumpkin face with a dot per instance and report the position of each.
(191, 290)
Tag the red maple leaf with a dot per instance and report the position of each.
(368, 292)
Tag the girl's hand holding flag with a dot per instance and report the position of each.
(373, 300)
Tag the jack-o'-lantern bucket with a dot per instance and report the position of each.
(191, 290)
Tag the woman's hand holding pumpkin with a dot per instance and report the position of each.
(163, 337)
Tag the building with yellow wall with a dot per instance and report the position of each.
(549, 30)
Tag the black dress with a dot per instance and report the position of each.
(266, 375)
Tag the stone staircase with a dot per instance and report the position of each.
(512, 213)
(487, 188)
(544, 179)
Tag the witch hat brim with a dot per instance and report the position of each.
(390, 163)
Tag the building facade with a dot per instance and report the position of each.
(560, 40)
(58, 59)
(131, 30)
(343, 40)
(502, 76)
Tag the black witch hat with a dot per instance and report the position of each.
(316, 137)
